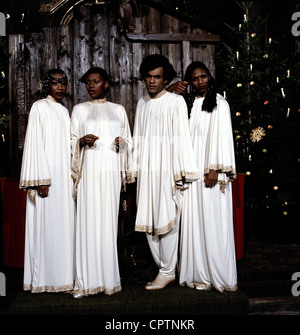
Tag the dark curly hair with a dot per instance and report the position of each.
(210, 99)
(154, 61)
(50, 76)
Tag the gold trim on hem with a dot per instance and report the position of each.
(208, 287)
(225, 288)
(50, 289)
(100, 289)
(156, 231)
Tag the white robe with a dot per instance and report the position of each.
(207, 253)
(99, 172)
(49, 240)
(163, 157)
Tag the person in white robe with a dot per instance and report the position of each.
(101, 148)
(46, 176)
(163, 163)
(207, 251)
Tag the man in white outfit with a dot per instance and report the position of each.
(164, 164)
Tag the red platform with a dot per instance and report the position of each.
(238, 214)
(13, 210)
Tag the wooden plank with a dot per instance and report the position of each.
(121, 71)
(101, 41)
(49, 49)
(34, 43)
(161, 37)
(93, 39)
(82, 52)
(172, 51)
(16, 92)
(153, 27)
(137, 82)
(65, 61)
(186, 55)
(205, 54)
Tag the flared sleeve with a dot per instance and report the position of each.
(219, 151)
(136, 139)
(184, 163)
(35, 167)
(126, 152)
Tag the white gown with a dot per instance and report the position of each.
(49, 240)
(163, 157)
(207, 252)
(99, 173)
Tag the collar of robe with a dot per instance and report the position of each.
(158, 95)
(50, 97)
(98, 101)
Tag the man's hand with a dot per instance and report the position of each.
(178, 87)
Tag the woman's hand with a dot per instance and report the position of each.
(118, 142)
(43, 191)
(211, 178)
(88, 140)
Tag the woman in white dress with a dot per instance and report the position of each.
(46, 176)
(101, 144)
(207, 252)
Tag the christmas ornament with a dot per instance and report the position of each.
(257, 134)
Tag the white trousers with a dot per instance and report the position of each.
(164, 249)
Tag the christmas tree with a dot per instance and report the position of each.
(261, 84)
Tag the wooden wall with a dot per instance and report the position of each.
(93, 39)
